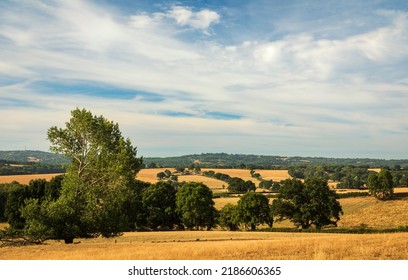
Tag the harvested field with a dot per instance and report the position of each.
(221, 201)
(222, 245)
(149, 174)
(214, 184)
(375, 169)
(370, 212)
(24, 179)
(275, 175)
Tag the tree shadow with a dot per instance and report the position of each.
(400, 196)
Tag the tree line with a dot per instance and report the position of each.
(8, 168)
(348, 176)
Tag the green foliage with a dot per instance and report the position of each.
(161, 175)
(3, 201)
(381, 185)
(307, 204)
(134, 209)
(16, 196)
(228, 217)
(195, 206)
(238, 185)
(350, 177)
(95, 187)
(53, 188)
(253, 209)
(30, 168)
(352, 194)
(159, 200)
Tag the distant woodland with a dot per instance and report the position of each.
(38, 162)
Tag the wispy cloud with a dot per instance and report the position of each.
(172, 79)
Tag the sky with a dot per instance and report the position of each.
(290, 78)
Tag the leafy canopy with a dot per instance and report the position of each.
(306, 204)
(94, 189)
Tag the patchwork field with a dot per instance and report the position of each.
(217, 245)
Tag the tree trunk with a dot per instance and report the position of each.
(69, 240)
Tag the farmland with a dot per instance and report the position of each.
(219, 245)
(359, 212)
(24, 179)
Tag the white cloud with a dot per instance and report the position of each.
(296, 86)
(200, 20)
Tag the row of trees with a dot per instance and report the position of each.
(350, 177)
(37, 168)
(235, 184)
(306, 204)
(166, 205)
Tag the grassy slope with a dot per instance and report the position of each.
(223, 245)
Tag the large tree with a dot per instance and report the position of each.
(228, 217)
(159, 200)
(94, 189)
(381, 185)
(253, 210)
(306, 204)
(195, 206)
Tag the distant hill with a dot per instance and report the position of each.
(244, 161)
(213, 160)
(32, 157)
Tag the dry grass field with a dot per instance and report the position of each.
(149, 175)
(275, 175)
(24, 179)
(370, 212)
(218, 245)
(214, 184)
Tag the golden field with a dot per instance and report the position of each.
(275, 175)
(221, 245)
(149, 175)
(24, 179)
(214, 184)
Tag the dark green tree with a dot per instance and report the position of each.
(3, 201)
(228, 217)
(238, 185)
(195, 206)
(159, 200)
(381, 185)
(135, 211)
(307, 204)
(161, 175)
(16, 195)
(253, 209)
(167, 173)
(53, 188)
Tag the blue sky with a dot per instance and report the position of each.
(308, 78)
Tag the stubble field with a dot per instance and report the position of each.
(221, 245)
